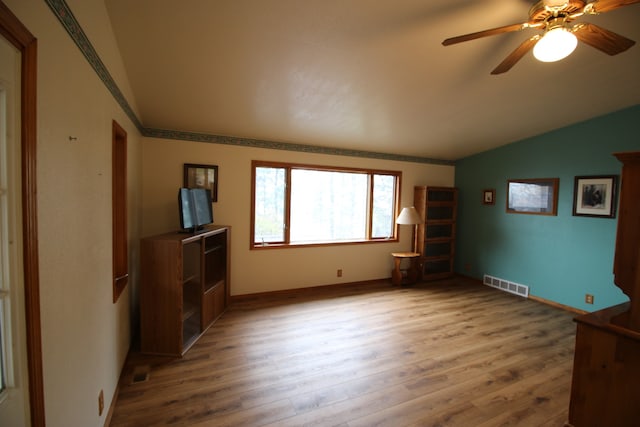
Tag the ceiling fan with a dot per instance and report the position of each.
(560, 37)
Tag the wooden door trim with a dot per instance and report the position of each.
(14, 31)
(119, 209)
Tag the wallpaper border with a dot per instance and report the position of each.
(287, 146)
(64, 14)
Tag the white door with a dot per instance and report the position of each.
(14, 394)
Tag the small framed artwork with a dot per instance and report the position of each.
(595, 196)
(533, 196)
(202, 176)
(489, 197)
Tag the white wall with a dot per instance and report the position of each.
(278, 269)
(85, 336)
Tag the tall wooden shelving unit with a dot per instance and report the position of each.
(436, 240)
(184, 288)
(606, 367)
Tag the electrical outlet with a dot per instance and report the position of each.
(339, 273)
(588, 298)
(100, 403)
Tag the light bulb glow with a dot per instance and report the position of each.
(555, 45)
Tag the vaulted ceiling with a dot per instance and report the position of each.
(362, 74)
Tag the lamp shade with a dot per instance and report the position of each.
(556, 44)
(409, 216)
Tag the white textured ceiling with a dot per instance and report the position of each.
(366, 75)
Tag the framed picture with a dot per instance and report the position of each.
(202, 176)
(489, 197)
(533, 196)
(595, 196)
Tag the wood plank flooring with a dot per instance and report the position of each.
(448, 353)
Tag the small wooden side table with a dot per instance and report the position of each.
(402, 277)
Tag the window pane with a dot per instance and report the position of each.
(383, 206)
(328, 206)
(270, 205)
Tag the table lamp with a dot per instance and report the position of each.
(410, 216)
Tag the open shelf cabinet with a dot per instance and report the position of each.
(184, 288)
(436, 240)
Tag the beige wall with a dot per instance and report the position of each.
(261, 271)
(85, 336)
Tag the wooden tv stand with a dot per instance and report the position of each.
(184, 288)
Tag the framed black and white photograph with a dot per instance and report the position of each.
(202, 176)
(488, 197)
(595, 196)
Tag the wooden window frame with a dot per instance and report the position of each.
(119, 210)
(287, 204)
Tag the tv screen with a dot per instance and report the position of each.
(195, 208)
(186, 209)
(202, 206)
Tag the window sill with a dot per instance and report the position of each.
(263, 246)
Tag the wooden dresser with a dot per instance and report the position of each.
(605, 390)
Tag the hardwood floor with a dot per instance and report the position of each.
(448, 353)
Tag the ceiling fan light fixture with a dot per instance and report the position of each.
(556, 44)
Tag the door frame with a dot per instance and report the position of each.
(18, 35)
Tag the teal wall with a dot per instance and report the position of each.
(561, 258)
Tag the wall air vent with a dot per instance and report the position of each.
(505, 285)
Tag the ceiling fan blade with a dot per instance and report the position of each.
(604, 40)
(516, 55)
(601, 6)
(486, 33)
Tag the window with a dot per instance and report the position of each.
(315, 205)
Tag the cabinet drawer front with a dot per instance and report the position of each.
(441, 195)
(213, 304)
(440, 213)
(437, 267)
(439, 230)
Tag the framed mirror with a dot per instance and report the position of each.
(533, 196)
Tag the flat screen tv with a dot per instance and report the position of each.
(195, 209)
